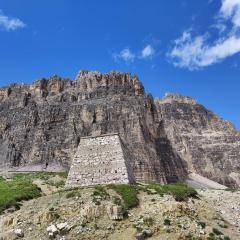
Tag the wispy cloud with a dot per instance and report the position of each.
(9, 23)
(147, 52)
(196, 52)
(128, 56)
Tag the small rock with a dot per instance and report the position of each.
(63, 226)
(147, 232)
(115, 212)
(52, 230)
(140, 236)
(110, 227)
(19, 232)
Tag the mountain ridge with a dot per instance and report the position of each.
(43, 122)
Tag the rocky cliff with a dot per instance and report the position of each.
(43, 124)
(209, 145)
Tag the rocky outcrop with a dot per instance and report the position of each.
(209, 145)
(43, 123)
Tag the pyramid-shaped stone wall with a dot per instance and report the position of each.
(99, 160)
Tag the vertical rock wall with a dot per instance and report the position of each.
(209, 145)
(43, 123)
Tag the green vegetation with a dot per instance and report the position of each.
(148, 221)
(45, 176)
(18, 189)
(167, 222)
(128, 194)
(202, 224)
(99, 194)
(212, 236)
(181, 192)
(216, 231)
(57, 184)
(222, 225)
(190, 237)
(73, 193)
(117, 200)
(39, 175)
(226, 238)
(232, 189)
(216, 235)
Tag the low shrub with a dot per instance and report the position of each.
(222, 225)
(167, 222)
(128, 194)
(217, 232)
(101, 192)
(117, 201)
(181, 192)
(226, 238)
(202, 224)
(73, 193)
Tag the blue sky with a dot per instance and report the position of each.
(180, 46)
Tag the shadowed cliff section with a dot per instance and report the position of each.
(43, 123)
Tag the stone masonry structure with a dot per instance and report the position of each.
(99, 160)
(42, 124)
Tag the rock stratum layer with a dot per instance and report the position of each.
(43, 123)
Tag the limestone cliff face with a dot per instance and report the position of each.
(209, 145)
(44, 122)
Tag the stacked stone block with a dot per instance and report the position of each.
(99, 160)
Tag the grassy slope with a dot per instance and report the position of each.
(11, 192)
(128, 193)
(20, 187)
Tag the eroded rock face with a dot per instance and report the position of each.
(209, 145)
(43, 124)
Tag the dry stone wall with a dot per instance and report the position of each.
(99, 160)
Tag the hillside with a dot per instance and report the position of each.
(117, 212)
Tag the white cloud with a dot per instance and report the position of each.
(147, 52)
(221, 27)
(195, 52)
(128, 56)
(8, 23)
(125, 55)
(230, 9)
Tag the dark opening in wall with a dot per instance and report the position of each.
(94, 118)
